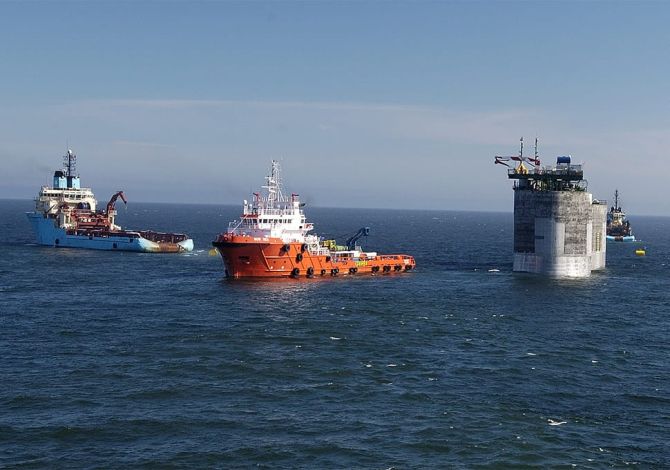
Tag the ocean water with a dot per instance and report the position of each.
(123, 360)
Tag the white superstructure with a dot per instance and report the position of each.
(66, 201)
(274, 215)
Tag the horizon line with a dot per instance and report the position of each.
(412, 209)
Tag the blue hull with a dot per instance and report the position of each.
(47, 233)
(630, 238)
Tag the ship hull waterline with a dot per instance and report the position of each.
(48, 234)
(274, 260)
(619, 238)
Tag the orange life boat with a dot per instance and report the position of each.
(271, 240)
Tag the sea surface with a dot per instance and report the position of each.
(126, 360)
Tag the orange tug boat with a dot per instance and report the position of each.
(271, 240)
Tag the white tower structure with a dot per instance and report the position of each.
(559, 229)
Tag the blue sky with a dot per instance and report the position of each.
(370, 104)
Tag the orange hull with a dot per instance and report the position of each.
(245, 256)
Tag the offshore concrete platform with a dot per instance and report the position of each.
(559, 229)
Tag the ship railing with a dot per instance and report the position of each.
(254, 224)
(241, 226)
(234, 225)
(264, 211)
(103, 232)
(162, 237)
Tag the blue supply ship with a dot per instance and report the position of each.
(65, 215)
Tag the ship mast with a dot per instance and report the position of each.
(69, 166)
(69, 163)
(616, 199)
(273, 185)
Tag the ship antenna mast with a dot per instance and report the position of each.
(521, 150)
(616, 199)
(70, 163)
(278, 181)
(274, 185)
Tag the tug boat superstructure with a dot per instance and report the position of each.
(618, 227)
(272, 239)
(65, 215)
